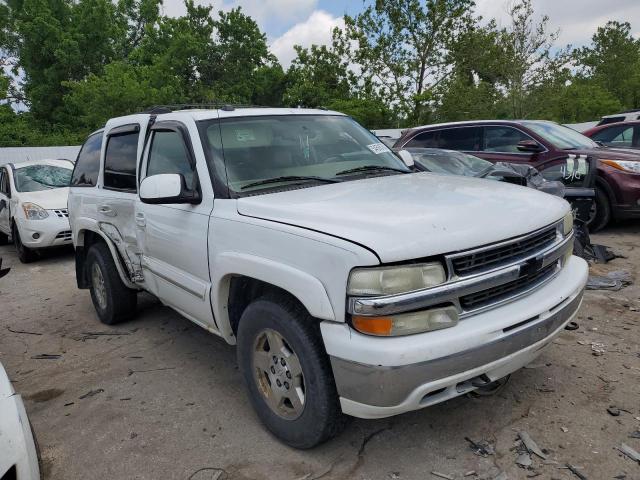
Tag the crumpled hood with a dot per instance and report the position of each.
(404, 217)
(56, 198)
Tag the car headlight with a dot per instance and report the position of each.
(407, 323)
(34, 212)
(624, 165)
(392, 280)
(567, 224)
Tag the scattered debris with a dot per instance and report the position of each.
(635, 434)
(46, 356)
(501, 476)
(598, 349)
(131, 372)
(68, 404)
(613, 281)
(629, 452)
(481, 448)
(572, 326)
(3, 271)
(532, 446)
(613, 411)
(470, 472)
(212, 473)
(576, 472)
(91, 393)
(524, 460)
(442, 475)
(106, 333)
(23, 331)
(564, 429)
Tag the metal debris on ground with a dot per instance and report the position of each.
(532, 446)
(91, 393)
(481, 448)
(442, 475)
(613, 411)
(576, 472)
(524, 460)
(501, 476)
(635, 434)
(598, 349)
(629, 452)
(614, 281)
(46, 356)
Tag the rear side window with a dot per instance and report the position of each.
(424, 140)
(120, 162)
(467, 138)
(85, 173)
(169, 155)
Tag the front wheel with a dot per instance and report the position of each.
(25, 254)
(287, 372)
(600, 214)
(112, 299)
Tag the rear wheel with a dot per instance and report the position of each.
(600, 214)
(113, 300)
(287, 372)
(25, 254)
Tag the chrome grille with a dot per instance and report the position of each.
(485, 259)
(502, 292)
(62, 212)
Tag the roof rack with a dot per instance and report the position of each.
(158, 109)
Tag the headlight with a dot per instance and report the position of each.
(624, 165)
(33, 211)
(392, 280)
(567, 224)
(407, 323)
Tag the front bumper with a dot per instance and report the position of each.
(380, 377)
(53, 231)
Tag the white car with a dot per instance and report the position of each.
(350, 283)
(33, 205)
(18, 451)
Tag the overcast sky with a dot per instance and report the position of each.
(305, 22)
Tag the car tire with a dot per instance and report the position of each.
(305, 411)
(602, 215)
(113, 300)
(25, 254)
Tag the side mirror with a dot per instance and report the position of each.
(3, 204)
(167, 188)
(529, 146)
(406, 157)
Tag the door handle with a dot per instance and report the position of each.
(107, 210)
(140, 220)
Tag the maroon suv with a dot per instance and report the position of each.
(549, 147)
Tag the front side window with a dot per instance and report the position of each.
(503, 139)
(168, 154)
(621, 136)
(266, 152)
(85, 173)
(35, 178)
(424, 140)
(120, 162)
(560, 136)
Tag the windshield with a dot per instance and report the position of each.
(560, 136)
(35, 178)
(449, 161)
(267, 152)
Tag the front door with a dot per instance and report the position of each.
(173, 237)
(5, 195)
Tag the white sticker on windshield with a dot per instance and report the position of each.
(378, 148)
(245, 136)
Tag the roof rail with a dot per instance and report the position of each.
(158, 109)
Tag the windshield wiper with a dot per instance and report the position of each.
(367, 168)
(288, 178)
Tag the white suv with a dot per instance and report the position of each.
(349, 283)
(33, 205)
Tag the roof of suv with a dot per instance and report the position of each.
(474, 122)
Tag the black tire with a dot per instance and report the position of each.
(113, 300)
(4, 238)
(603, 211)
(321, 417)
(25, 254)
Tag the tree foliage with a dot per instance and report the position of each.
(66, 66)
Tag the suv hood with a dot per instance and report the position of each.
(608, 153)
(404, 217)
(48, 199)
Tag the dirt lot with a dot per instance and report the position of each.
(160, 398)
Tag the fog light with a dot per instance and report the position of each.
(36, 236)
(407, 323)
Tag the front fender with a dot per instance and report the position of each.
(305, 287)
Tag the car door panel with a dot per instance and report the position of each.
(5, 200)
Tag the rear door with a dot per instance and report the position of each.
(5, 195)
(173, 237)
(115, 200)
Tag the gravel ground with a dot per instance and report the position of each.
(158, 397)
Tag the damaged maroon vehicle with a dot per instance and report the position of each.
(548, 147)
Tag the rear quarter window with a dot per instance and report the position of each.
(85, 172)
